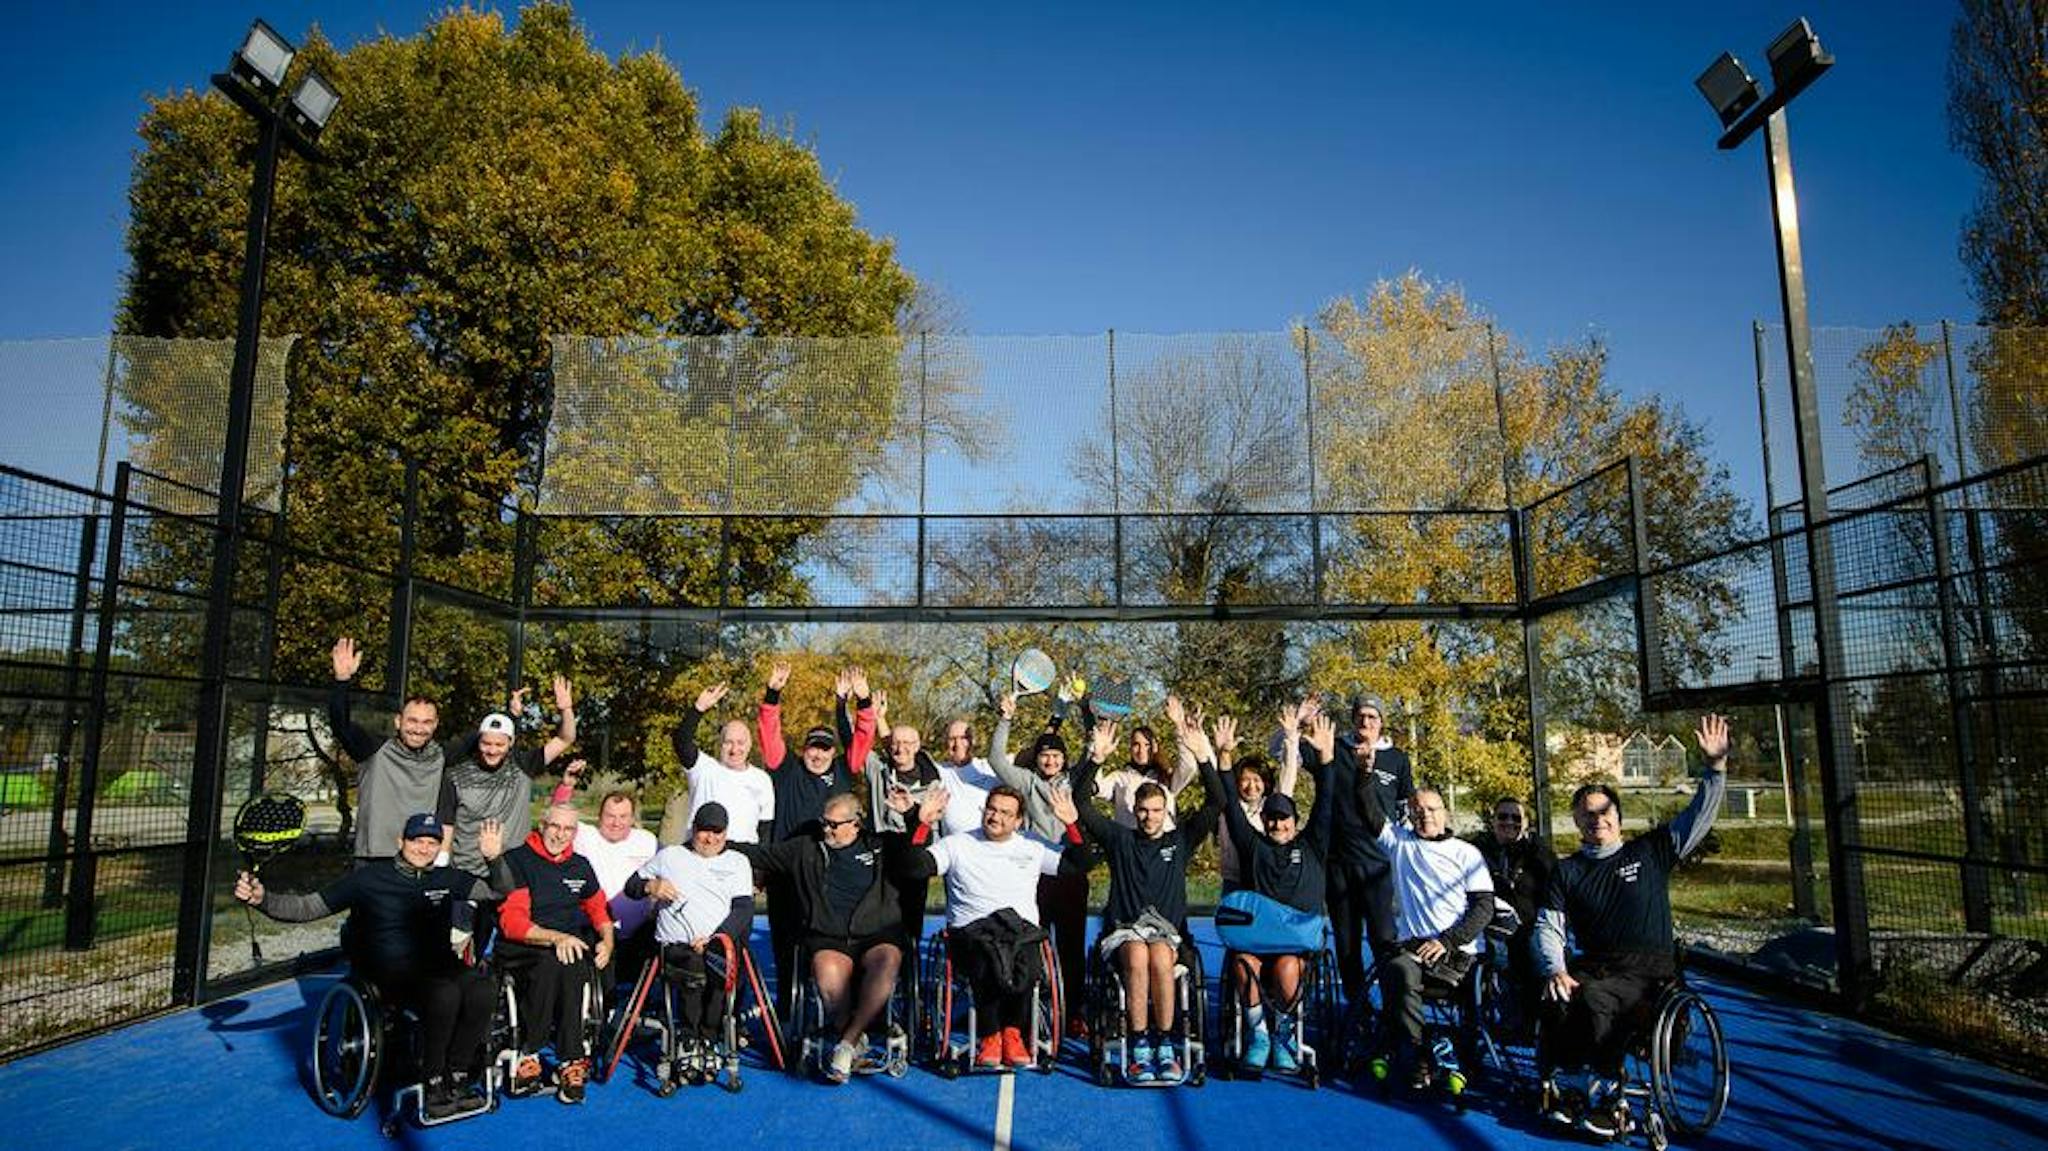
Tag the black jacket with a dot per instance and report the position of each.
(802, 862)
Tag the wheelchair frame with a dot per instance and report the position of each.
(1107, 1010)
(935, 1015)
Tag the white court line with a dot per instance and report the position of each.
(1006, 1099)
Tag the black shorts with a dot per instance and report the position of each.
(854, 947)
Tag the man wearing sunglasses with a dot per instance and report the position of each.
(848, 909)
(1520, 864)
(1614, 897)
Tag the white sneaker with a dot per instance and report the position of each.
(840, 1068)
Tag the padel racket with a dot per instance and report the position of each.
(1112, 699)
(1031, 672)
(264, 826)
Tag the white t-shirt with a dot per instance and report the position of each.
(1431, 880)
(748, 795)
(967, 789)
(613, 862)
(983, 876)
(708, 885)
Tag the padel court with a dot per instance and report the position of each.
(232, 1075)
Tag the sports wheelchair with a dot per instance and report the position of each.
(357, 1037)
(1467, 1021)
(749, 1014)
(948, 1043)
(810, 1039)
(1675, 1078)
(1314, 1016)
(1108, 1017)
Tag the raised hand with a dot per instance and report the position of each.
(565, 696)
(1007, 706)
(778, 675)
(1322, 735)
(1102, 741)
(348, 659)
(490, 838)
(1176, 712)
(857, 681)
(842, 683)
(1226, 734)
(516, 702)
(881, 699)
(248, 889)
(898, 800)
(709, 697)
(1290, 719)
(1713, 737)
(574, 771)
(933, 805)
(1062, 802)
(1197, 742)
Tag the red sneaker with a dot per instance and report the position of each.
(990, 1053)
(1015, 1053)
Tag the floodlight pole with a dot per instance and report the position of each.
(1834, 708)
(210, 738)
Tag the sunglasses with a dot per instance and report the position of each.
(832, 824)
(1507, 819)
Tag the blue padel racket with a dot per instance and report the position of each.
(1031, 672)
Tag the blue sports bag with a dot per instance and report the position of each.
(1259, 925)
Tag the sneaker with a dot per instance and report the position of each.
(840, 1068)
(1562, 1105)
(1606, 1114)
(438, 1099)
(1139, 1069)
(462, 1087)
(1286, 1044)
(1015, 1052)
(990, 1054)
(526, 1075)
(1166, 1064)
(569, 1088)
(1258, 1048)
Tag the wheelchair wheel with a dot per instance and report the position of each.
(1688, 1064)
(347, 1045)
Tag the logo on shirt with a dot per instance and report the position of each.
(1631, 871)
(1385, 777)
(436, 895)
(1293, 855)
(1166, 853)
(864, 858)
(575, 886)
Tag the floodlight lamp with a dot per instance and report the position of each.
(263, 58)
(1729, 88)
(313, 103)
(1796, 56)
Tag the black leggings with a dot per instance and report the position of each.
(550, 998)
(454, 1006)
(700, 992)
(1361, 906)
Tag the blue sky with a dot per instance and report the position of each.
(1187, 167)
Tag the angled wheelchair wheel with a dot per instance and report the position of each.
(1688, 1064)
(347, 1046)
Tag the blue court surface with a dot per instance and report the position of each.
(231, 1075)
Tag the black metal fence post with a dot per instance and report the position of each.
(67, 735)
(1976, 882)
(79, 909)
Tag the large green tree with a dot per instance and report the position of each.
(489, 186)
(1998, 119)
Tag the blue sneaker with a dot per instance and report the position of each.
(1258, 1047)
(1286, 1044)
(1139, 1069)
(1166, 1065)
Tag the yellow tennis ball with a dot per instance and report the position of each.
(1080, 685)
